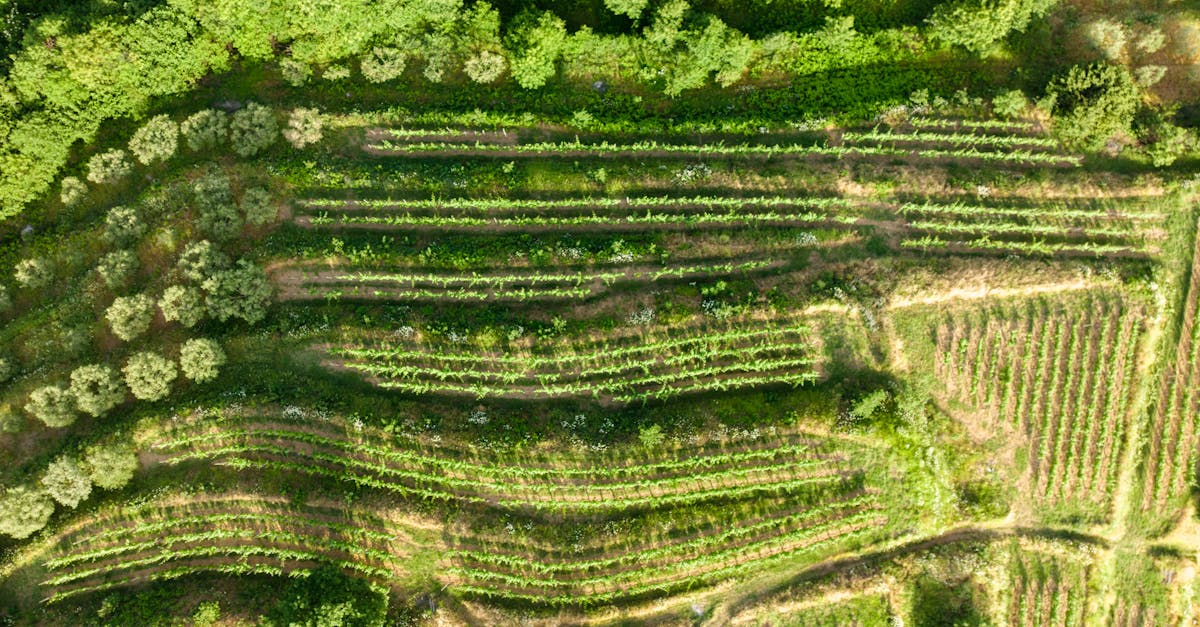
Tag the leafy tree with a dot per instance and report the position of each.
(1092, 103)
(252, 129)
(240, 292)
(73, 191)
(116, 267)
(1010, 103)
(34, 273)
(629, 8)
(200, 260)
(304, 127)
(979, 25)
(328, 597)
(66, 482)
(111, 466)
(485, 66)
(156, 140)
(24, 511)
(130, 316)
(1152, 41)
(182, 304)
(96, 389)
(258, 207)
(149, 375)
(201, 359)
(53, 405)
(336, 72)
(536, 42)
(719, 50)
(383, 64)
(205, 129)
(294, 73)
(108, 167)
(218, 217)
(123, 226)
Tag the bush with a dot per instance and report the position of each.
(200, 260)
(383, 64)
(1152, 41)
(205, 129)
(130, 316)
(485, 67)
(336, 72)
(629, 8)
(116, 267)
(241, 292)
(1107, 37)
(218, 217)
(110, 466)
(182, 304)
(327, 596)
(96, 389)
(1149, 75)
(294, 73)
(201, 359)
(52, 405)
(24, 511)
(108, 167)
(149, 375)
(123, 226)
(34, 273)
(156, 140)
(536, 42)
(304, 127)
(73, 191)
(66, 482)
(258, 207)
(252, 129)
(1009, 104)
(979, 25)
(1092, 103)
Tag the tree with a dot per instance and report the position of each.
(200, 260)
(252, 129)
(241, 292)
(1010, 103)
(182, 304)
(629, 8)
(1092, 103)
(53, 405)
(258, 207)
(201, 359)
(205, 129)
(1149, 75)
(111, 466)
(73, 191)
(34, 273)
(304, 127)
(24, 511)
(149, 375)
(979, 25)
(536, 42)
(156, 140)
(327, 596)
(96, 389)
(336, 72)
(116, 267)
(108, 167)
(66, 482)
(1107, 37)
(383, 64)
(294, 73)
(123, 226)
(218, 217)
(130, 316)
(485, 66)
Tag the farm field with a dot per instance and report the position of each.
(610, 312)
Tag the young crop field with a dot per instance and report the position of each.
(683, 312)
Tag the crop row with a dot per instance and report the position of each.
(1047, 591)
(957, 139)
(1037, 248)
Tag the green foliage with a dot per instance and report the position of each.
(7, 369)
(536, 41)
(201, 359)
(10, 421)
(182, 304)
(1164, 141)
(327, 597)
(687, 56)
(108, 167)
(123, 226)
(96, 389)
(111, 466)
(1092, 103)
(200, 260)
(130, 316)
(383, 64)
(1010, 103)
(116, 267)
(207, 614)
(1149, 75)
(252, 129)
(219, 218)
(156, 140)
(240, 292)
(24, 511)
(336, 72)
(865, 407)
(651, 436)
(294, 72)
(258, 207)
(73, 191)
(979, 25)
(149, 375)
(67, 482)
(205, 130)
(34, 273)
(1107, 37)
(304, 127)
(5, 299)
(629, 8)
(485, 66)
(52, 405)
(934, 603)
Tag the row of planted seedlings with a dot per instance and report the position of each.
(1035, 248)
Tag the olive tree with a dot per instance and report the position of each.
(149, 375)
(258, 207)
(123, 226)
(252, 129)
(97, 389)
(240, 292)
(205, 129)
(53, 405)
(110, 466)
(67, 482)
(72, 191)
(116, 267)
(182, 304)
(218, 217)
(294, 72)
(24, 511)
(201, 359)
(130, 316)
(108, 167)
(304, 127)
(34, 273)
(156, 140)
(200, 260)
(485, 66)
(383, 64)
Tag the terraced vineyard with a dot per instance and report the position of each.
(1048, 589)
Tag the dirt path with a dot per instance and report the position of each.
(981, 291)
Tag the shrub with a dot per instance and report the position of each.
(11, 421)
(116, 267)
(1151, 41)
(336, 72)
(52, 405)
(201, 359)
(24, 511)
(485, 67)
(34, 273)
(304, 127)
(130, 316)
(5, 299)
(651, 436)
(383, 64)
(218, 217)
(1149, 75)
(149, 375)
(241, 292)
(536, 42)
(327, 596)
(258, 207)
(205, 129)
(1092, 103)
(1009, 104)
(1107, 37)
(252, 129)
(200, 260)
(66, 482)
(96, 389)
(156, 140)
(108, 167)
(629, 8)
(294, 73)
(123, 226)
(7, 369)
(73, 191)
(110, 466)
(979, 25)
(182, 304)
